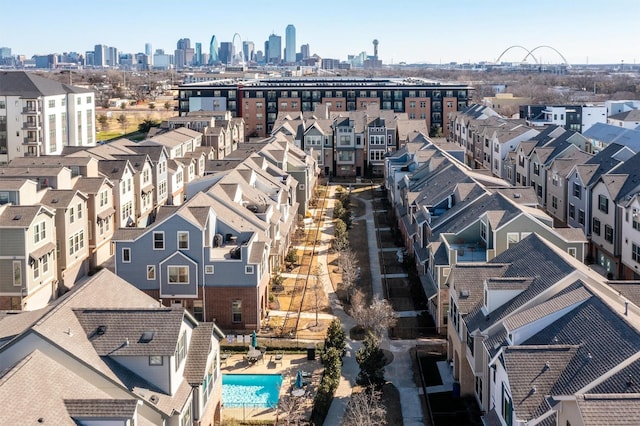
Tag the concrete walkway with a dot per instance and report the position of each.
(396, 372)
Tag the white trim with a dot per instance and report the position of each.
(178, 240)
(151, 268)
(123, 249)
(178, 283)
(153, 240)
(208, 269)
(248, 269)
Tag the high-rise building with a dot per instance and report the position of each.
(274, 53)
(304, 50)
(183, 53)
(197, 59)
(213, 51)
(249, 49)
(100, 55)
(148, 50)
(290, 47)
(226, 52)
(112, 56)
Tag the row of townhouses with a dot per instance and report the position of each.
(588, 181)
(353, 143)
(67, 215)
(106, 353)
(537, 336)
(215, 253)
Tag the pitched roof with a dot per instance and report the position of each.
(613, 410)
(532, 372)
(199, 349)
(20, 216)
(116, 332)
(109, 408)
(467, 281)
(30, 85)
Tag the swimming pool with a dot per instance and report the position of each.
(255, 390)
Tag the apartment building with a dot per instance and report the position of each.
(258, 102)
(39, 116)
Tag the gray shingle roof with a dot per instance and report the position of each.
(611, 410)
(19, 216)
(117, 332)
(30, 85)
(605, 340)
(199, 349)
(626, 380)
(628, 289)
(110, 408)
(532, 371)
(467, 281)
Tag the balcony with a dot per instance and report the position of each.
(31, 125)
(31, 109)
(469, 252)
(31, 141)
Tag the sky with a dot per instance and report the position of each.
(411, 31)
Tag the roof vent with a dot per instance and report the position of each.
(101, 330)
(153, 399)
(517, 195)
(547, 365)
(630, 381)
(17, 217)
(54, 201)
(147, 336)
(464, 293)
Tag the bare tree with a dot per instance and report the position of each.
(317, 290)
(377, 316)
(123, 121)
(291, 409)
(365, 408)
(348, 263)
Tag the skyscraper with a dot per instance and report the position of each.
(304, 50)
(100, 55)
(249, 49)
(197, 60)
(225, 54)
(274, 54)
(213, 51)
(290, 40)
(148, 50)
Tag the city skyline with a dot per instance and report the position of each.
(591, 32)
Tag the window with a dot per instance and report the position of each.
(483, 231)
(52, 103)
(208, 269)
(555, 180)
(634, 221)
(79, 210)
(178, 274)
(248, 269)
(72, 216)
(581, 217)
(536, 169)
(236, 311)
(151, 272)
(554, 201)
(572, 211)
(39, 232)
(479, 387)
(577, 191)
(603, 204)
(186, 417)
(512, 239)
(155, 359)
(470, 342)
(76, 242)
(608, 233)
(635, 252)
(79, 101)
(507, 407)
(158, 240)
(572, 251)
(181, 349)
(126, 255)
(183, 240)
(17, 273)
(539, 191)
(36, 269)
(596, 226)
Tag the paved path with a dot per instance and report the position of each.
(396, 372)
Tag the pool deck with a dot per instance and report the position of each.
(288, 367)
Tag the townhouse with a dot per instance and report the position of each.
(204, 256)
(556, 186)
(108, 352)
(27, 259)
(600, 135)
(610, 192)
(71, 227)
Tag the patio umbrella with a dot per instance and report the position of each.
(299, 382)
(254, 339)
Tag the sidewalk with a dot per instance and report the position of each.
(396, 372)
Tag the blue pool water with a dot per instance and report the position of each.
(255, 390)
